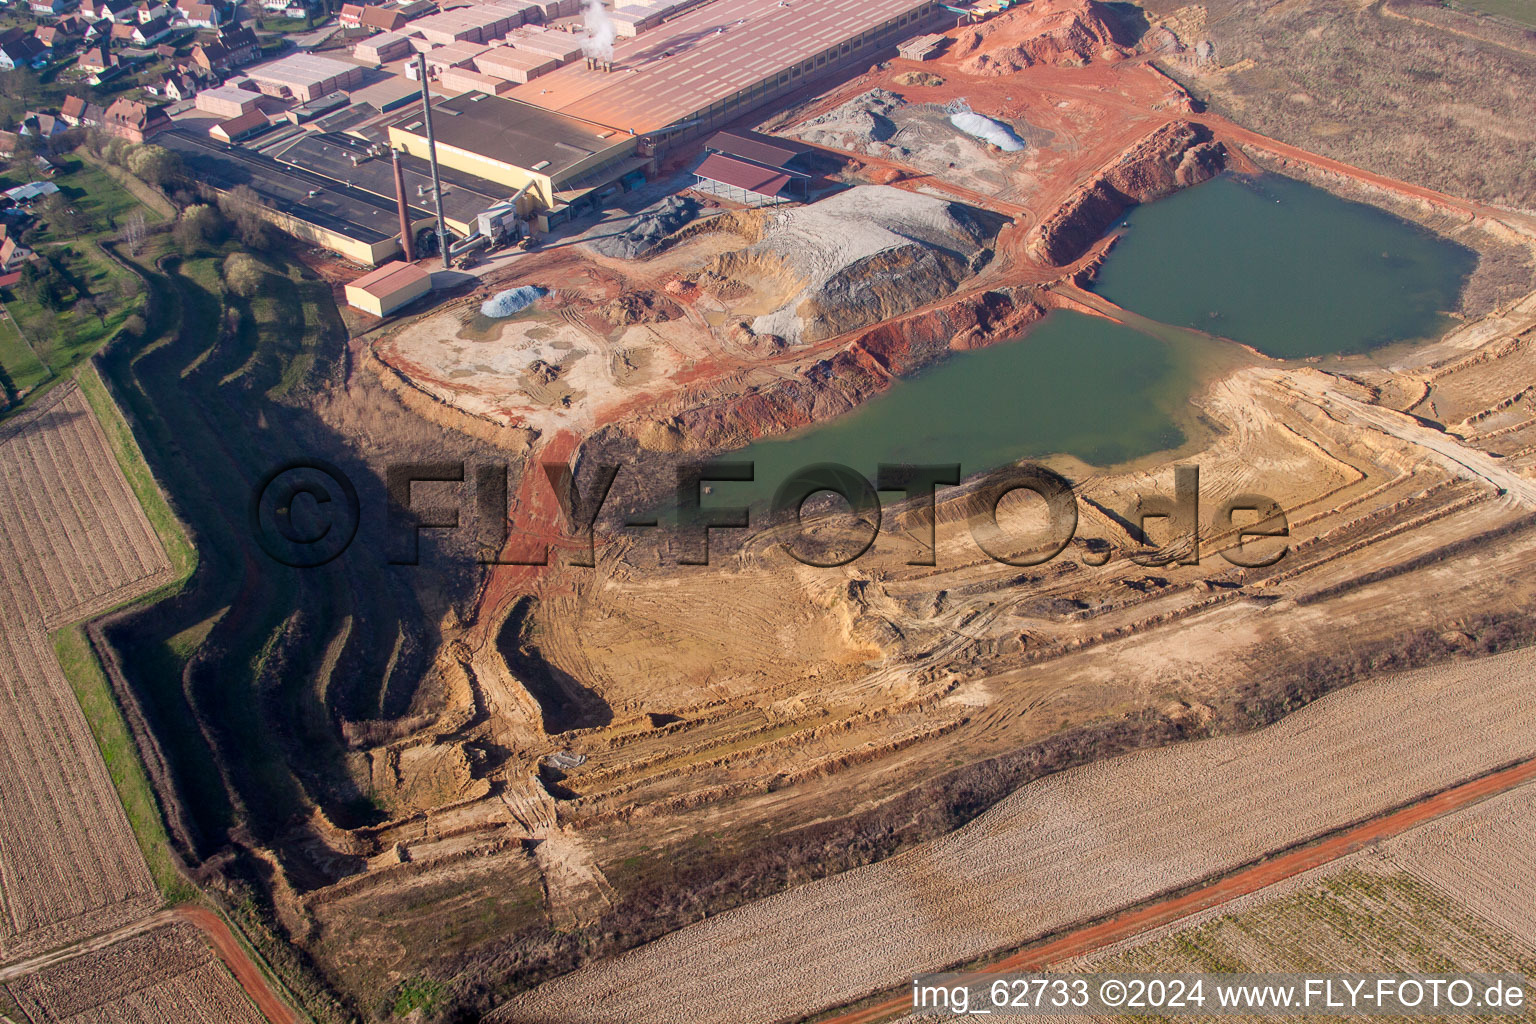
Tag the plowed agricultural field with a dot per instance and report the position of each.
(73, 541)
(166, 976)
(1450, 895)
(1484, 858)
(1072, 847)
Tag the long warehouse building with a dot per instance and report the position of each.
(569, 134)
(722, 59)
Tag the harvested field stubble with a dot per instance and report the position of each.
(166, 976)
(1073, 846)
(73, 541)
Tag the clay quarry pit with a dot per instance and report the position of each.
(599, 756)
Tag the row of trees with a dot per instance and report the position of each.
(148, 162)
(237, 214)
(44, 283)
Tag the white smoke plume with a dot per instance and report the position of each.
(597, 43)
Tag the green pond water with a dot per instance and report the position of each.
(1076, 384)
(1285, 267)
(1277, 264)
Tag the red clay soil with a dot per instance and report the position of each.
(1229, 887)
(240, 965)
(536, 526)
(1048, 32)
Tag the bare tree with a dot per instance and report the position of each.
(133, 232)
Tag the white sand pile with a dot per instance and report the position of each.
(987, 130)
(511, 301)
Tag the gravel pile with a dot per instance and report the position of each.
(649, 227)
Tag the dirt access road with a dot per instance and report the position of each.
(1229, 887)
(250, 977)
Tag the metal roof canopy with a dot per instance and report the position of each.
(760, 149)
(763, 181)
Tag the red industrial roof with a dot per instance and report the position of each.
(752, 146)
(390, 278)
(705, 56)
(238, 127)
(765, 181)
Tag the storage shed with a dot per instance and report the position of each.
(386, 289)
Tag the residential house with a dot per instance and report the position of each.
(123, 31)
(132, 120)
(12, 253)
(51, 6)
(210, 56)
(20, 52)
(241, 44)
(8, 143)
(179, 86)
(384, 19)
(77, 113)
(154, 12)
(152, 32)
(373, 16)
(43, 126)
(200, 15)
(117, 10)
(97, 59)
(110, 10)
(55, 37)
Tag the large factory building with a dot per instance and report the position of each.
(549, 161)
(723, 59)
(568, 134)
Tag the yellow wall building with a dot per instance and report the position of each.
(386, 289)
(517, 144)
